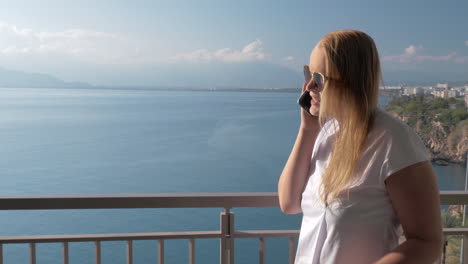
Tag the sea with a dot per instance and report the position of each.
(79, 141)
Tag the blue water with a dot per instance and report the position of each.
(57, 141)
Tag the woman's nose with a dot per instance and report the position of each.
(311, 86)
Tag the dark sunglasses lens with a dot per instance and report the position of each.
(318, 80)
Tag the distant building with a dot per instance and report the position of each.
(460, 91)
(413, 91)
(466, 99)
(392, 91)
(428, 90)
(443, 85)
(440, 93)
(407, 91)
(394, 87)
(453, 93)
(418, 90)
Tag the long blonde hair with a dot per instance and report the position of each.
(350, 96)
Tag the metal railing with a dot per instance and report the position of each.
(226, 234)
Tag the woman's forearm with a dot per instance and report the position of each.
(413, 251)
(293, 178)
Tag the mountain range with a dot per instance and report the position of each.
(18, 79)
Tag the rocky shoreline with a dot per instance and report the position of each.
(446, 145)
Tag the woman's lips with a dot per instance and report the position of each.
(314, 102)
(315, 98)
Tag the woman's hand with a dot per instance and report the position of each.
(308, 122)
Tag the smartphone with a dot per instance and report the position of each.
(304, 100)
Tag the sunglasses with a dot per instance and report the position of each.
(319, 78)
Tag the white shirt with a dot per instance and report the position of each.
(365, 227)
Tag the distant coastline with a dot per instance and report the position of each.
(178, 88)
(175, 89)
(204, 89)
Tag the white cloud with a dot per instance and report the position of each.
(7, 28)
(251, 52)
(253, 47)
(98, 47)
(408, 54)
(466, 42)
(73, 34)
(412, 49)
(293, 63)
(83, 44)
(412, 54)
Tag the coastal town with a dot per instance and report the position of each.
(438, 114)
(441, 90)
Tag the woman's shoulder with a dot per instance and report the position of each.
(389, 125)
(395, 144)
(390, 132)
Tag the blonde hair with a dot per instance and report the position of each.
(350, 96)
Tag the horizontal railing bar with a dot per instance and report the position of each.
(265, 233)
(169, 235)
(108, 237)
(163, 200)
(138, 200)
(143, 236)
(453, 197)
(455, 231)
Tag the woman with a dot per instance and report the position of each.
(356, 173)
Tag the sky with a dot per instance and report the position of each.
(188, 42)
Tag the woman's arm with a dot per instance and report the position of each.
(293, 179)
(414, 194)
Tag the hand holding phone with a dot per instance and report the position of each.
(304, 100)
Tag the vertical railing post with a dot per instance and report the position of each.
(97, 252)
(160, 251)
(1, 253)
(261, 250)
(464, 241)
(464, 250)
(444, 251)
(65, 253)
(222, 241)
(129, 252)
(292, 249)
(226, 252)
(231, 237)
(32, 253)
(191, 251)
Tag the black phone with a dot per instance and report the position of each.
(304, 100)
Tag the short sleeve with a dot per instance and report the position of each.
(402, 148)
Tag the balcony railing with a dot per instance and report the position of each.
(226, 234)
